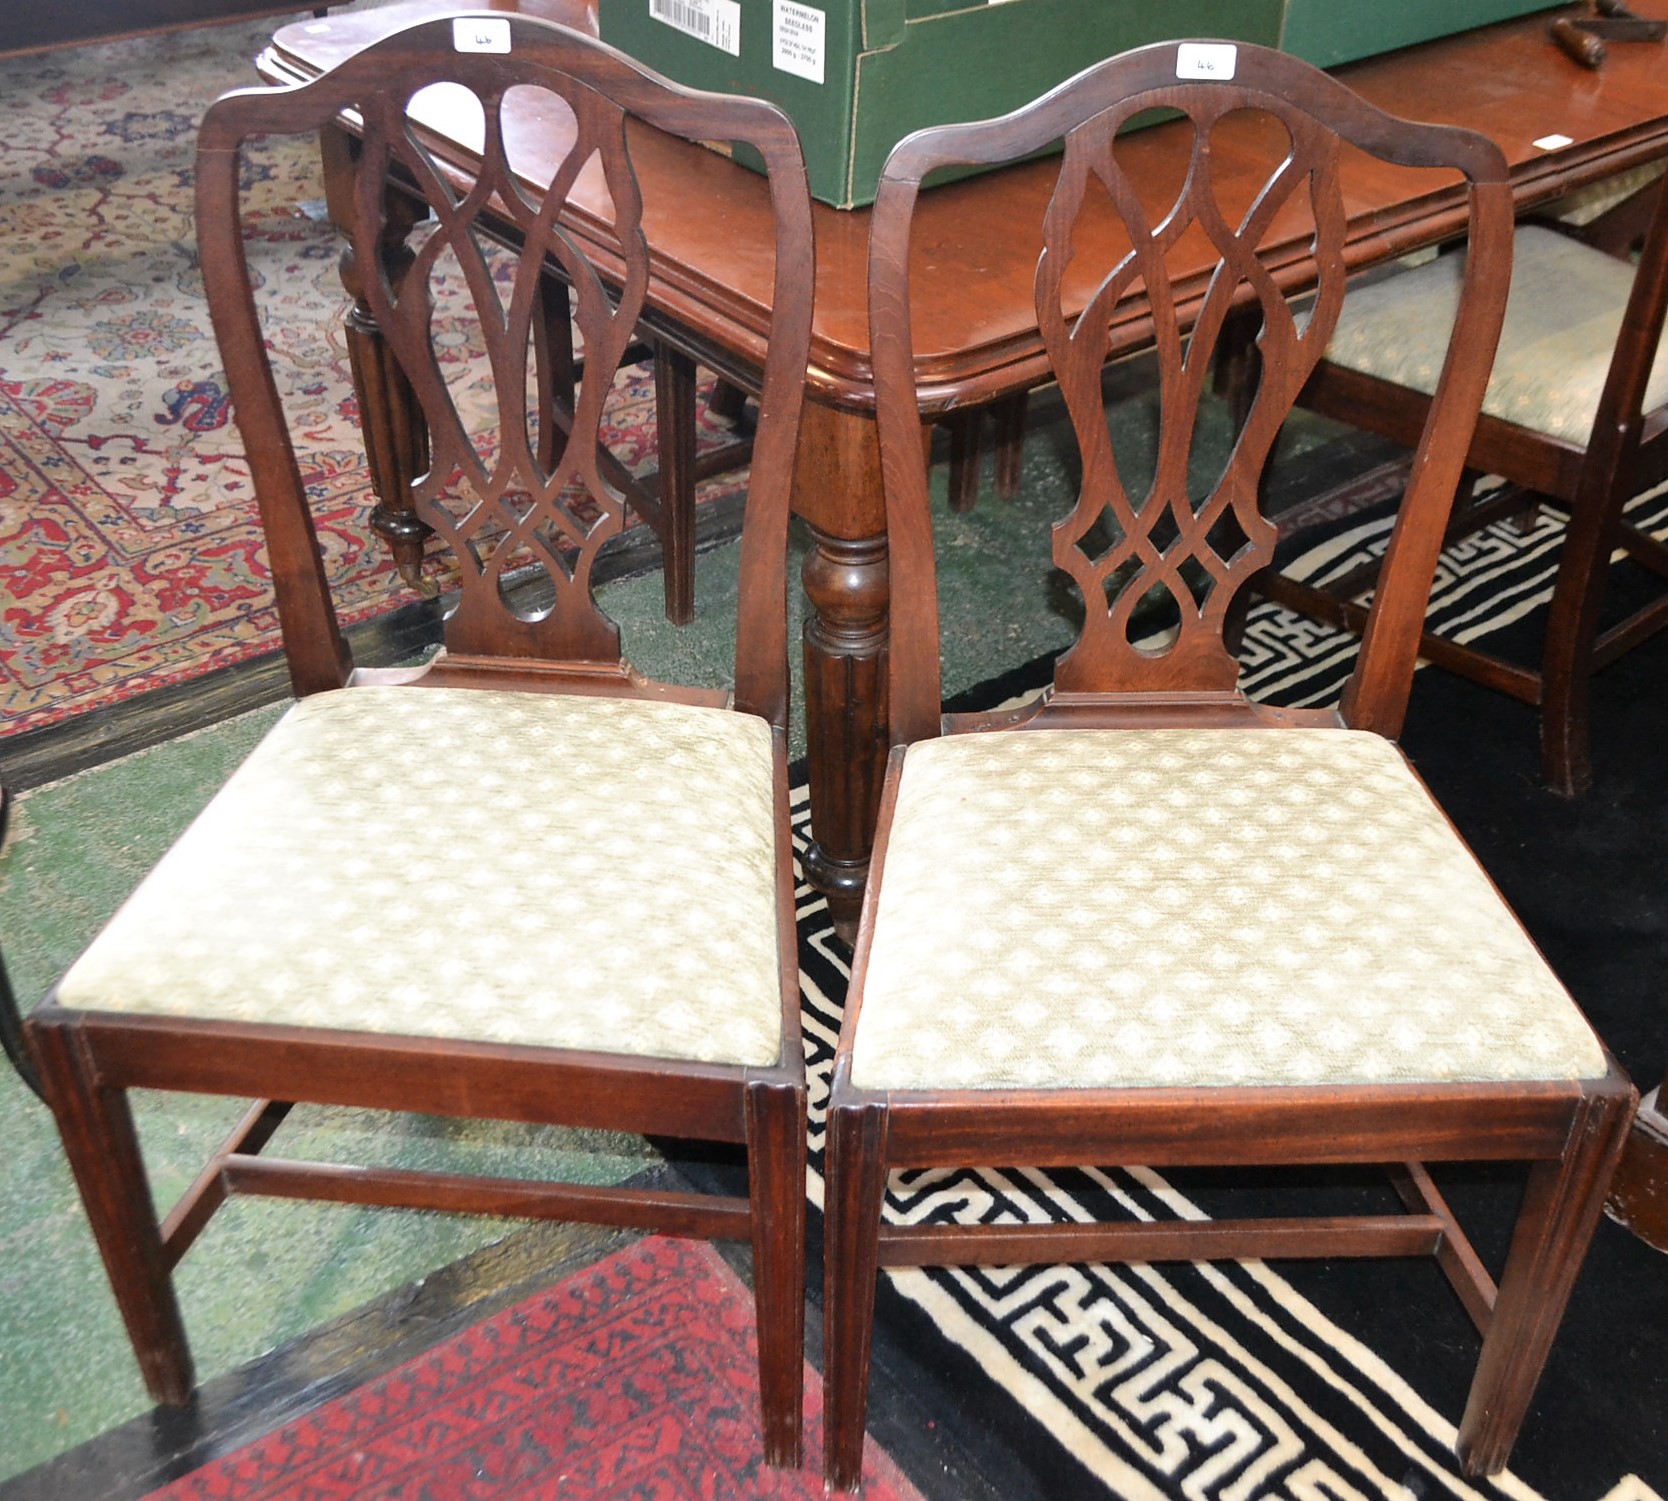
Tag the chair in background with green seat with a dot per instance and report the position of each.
(1576, 416)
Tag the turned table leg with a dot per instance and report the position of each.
(838, 493)
(396, 437)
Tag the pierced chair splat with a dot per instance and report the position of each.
(525, 882)
(1077, 943)
(664, 499)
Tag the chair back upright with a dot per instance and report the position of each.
(1190, 547)
(1623, 424)
(507, 499)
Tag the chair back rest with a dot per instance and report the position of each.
(1102, 243)
(506, 494)
(1619, 426)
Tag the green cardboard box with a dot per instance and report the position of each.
(857, 76)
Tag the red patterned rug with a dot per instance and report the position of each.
(637, 1377)
(130, 556)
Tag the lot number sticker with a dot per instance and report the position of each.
(799, 43)
(1207, 60)
(482, 34)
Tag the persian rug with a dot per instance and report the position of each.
(637, 1377)
(130, 556)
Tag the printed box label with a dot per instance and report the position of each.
(715, 22)
(799, 41)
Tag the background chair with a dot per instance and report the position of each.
(1007, 423)
(1576, 416)
(1144, 920)
(524, 882)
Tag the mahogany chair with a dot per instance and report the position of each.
(663, 500)
(524, 882)
(1006, 419)
(1576, 416)
(1144, 920)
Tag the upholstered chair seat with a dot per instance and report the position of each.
(1132, 908)
(381, 842)
(1574, 419)
(1562, 319)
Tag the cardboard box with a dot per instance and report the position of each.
(857, 76)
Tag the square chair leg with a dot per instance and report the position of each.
(96, 1125)
(1561, 1208)
(776, 1185)
(856, 1188)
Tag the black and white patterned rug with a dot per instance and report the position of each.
(1485, 585)
(1234, 1381)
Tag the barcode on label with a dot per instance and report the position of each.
(715, 22)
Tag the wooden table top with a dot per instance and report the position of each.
(976, 331)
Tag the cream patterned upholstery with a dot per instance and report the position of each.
(507, 867)
(1081, 908)
(1562, 320)
(1588, 202)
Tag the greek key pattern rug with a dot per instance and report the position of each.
(1484, 585)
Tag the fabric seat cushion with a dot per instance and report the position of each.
(1562, 320)
(544, 869)
(1109, 908)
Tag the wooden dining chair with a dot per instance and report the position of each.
(523, 882)
(1144, 920)
(1576, 417)
(1006, 421)
(665, 499)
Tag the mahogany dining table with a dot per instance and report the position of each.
(1561, 126)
